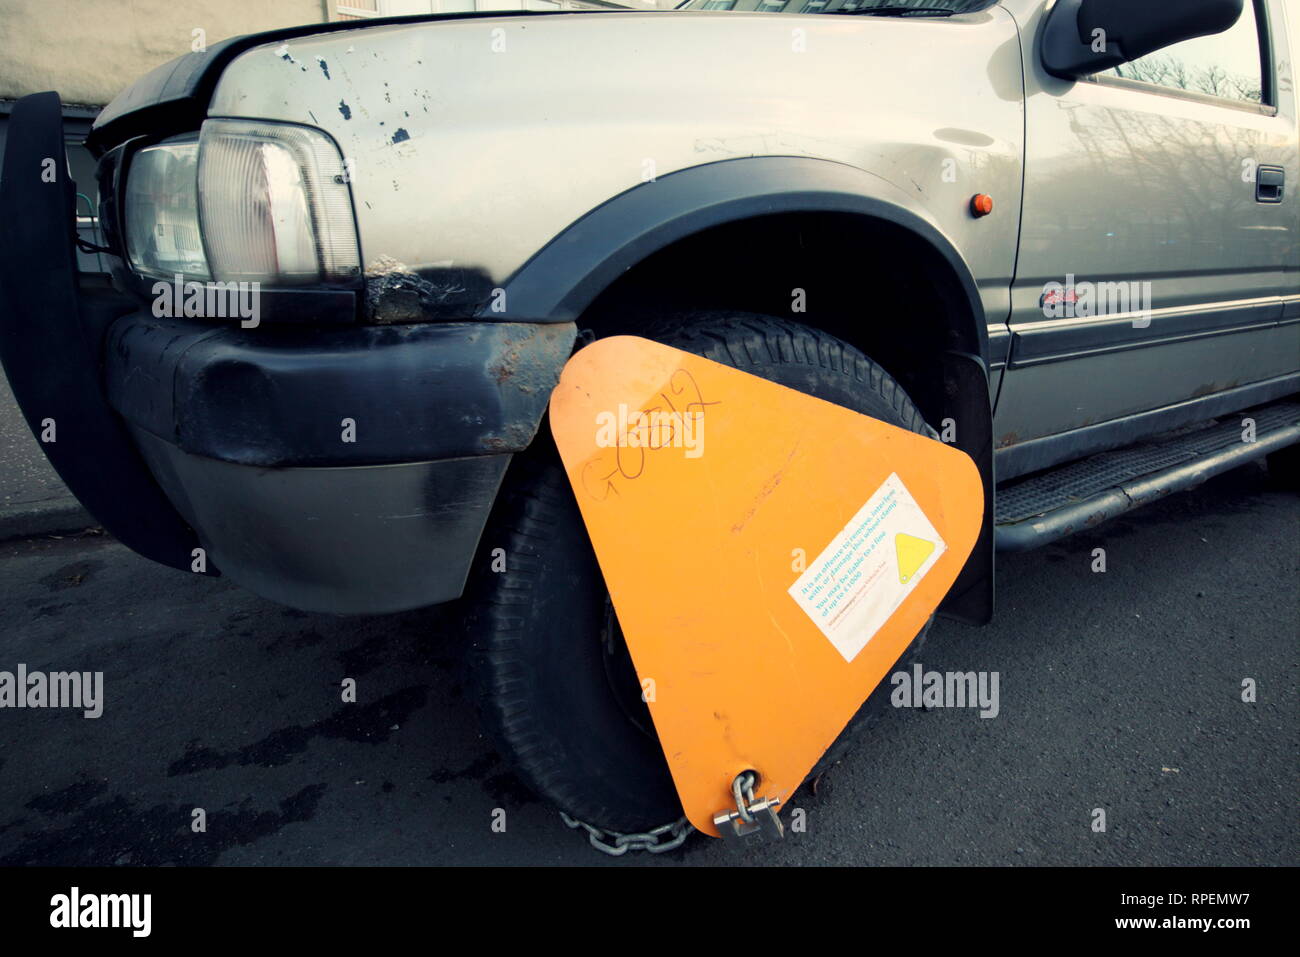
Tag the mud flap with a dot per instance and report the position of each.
(769, 555)
(50, 360)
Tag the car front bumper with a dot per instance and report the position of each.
(342, 468)
(355, 539)
(348, 469)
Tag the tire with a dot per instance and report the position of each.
(556, 688)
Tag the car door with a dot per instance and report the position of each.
(1157, 266)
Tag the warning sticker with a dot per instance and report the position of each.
(863, 575)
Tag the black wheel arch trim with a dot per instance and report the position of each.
(567, 275)
(560, 281)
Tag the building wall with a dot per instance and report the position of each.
(88, 50)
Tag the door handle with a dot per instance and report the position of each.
(1269, 183)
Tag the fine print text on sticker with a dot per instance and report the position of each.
(860, 578)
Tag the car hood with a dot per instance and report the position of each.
(175, 95)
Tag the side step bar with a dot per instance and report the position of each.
(1083, 494)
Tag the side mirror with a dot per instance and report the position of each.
(1081, 37)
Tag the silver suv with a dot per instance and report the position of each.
(350, 260)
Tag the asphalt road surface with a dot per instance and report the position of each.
(1119, 690)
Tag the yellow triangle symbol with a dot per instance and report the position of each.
(912, 553)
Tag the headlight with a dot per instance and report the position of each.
(162, 216)
(275, 204)
(243, 202)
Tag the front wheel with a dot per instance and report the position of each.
(556, 687)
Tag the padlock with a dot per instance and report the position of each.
(752, 816)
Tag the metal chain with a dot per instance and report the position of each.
(744, 782)
(666, 837)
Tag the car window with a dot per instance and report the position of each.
(1226, 64)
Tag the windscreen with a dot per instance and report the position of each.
(896, 8)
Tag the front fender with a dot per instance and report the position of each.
(568, 274)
